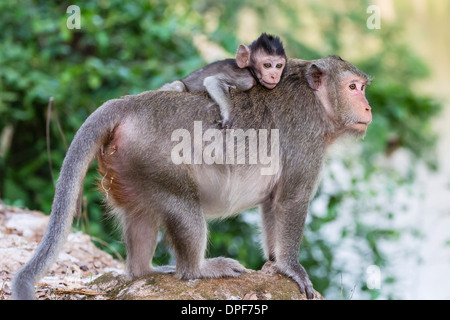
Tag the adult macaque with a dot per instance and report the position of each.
(315, 103)
(263, 61)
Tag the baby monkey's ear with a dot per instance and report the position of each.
(243, 56)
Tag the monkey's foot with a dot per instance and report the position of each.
(177, 85)
(221, 267)
(214, 268)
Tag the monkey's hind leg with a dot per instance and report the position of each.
(140, 230)
(269, 229)
(176, 85)
(186, 230)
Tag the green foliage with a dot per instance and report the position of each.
(399, 120)
(125, 47)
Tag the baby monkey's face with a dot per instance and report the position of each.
(268, 69)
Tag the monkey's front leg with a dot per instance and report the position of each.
(291, 215)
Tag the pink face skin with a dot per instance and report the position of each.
(354, 92)
(268, 69)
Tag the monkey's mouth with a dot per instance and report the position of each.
(269, 85)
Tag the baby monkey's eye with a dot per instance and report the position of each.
(279, 65)
(352, 86)
(267, 65)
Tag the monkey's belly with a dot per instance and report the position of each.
(231, 190)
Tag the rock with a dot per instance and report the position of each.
(252, 285)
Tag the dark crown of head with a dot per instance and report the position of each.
(270, 44)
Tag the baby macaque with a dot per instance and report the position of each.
(263, 61)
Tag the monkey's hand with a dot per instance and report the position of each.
(296, 272)
(225, 124)
(299, 274)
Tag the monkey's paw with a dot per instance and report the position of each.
(221, 267)
(225, 124)
(296, 272)
(212, 268)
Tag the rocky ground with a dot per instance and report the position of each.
(82, 271)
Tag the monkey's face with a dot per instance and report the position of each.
(356, 111)
(341, 89)
(268, 69)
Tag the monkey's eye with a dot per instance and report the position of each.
(352, 86)
(279, 65)
(267, 65)
(362, 87)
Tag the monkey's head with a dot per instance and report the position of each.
(341, 89)
(266, 59)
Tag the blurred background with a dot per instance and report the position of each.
(379, 226)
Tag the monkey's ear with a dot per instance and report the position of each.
(243, 56)
(314, 75)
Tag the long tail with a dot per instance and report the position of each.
(81, 152)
